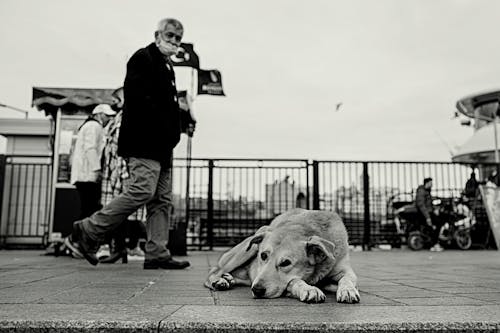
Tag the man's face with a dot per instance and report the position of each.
(105, 119)
(169, 39)
(428, 185)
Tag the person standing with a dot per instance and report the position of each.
(471, 187)
(149, 131)
(86, 159)
(114, 180)
(423, 201)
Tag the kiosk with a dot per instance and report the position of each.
(67, 108)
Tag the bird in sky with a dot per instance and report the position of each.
(337, 106)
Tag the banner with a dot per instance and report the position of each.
(186, 56)
(210, 82)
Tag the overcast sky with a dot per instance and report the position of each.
(397, 67)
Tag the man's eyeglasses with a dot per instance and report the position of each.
(171, 35)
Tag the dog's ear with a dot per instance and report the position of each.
(318, 250)
(259, 236)
(255, 240)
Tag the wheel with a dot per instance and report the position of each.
(463, 239)
(415, 241)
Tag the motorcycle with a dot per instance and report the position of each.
(455, 219)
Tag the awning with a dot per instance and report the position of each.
(486, 100)
(69, 99)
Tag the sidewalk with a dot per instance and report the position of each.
(400, 290)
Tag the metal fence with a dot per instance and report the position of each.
(366, 194)
(230, 199)
(26, 199)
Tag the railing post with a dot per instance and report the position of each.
(210, 204)
(315, 185)
(3, 164)
(366, 202)
(308, 192)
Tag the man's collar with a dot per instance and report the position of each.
(157, 54)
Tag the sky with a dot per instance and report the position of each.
(397, 67)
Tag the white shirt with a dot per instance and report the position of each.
(86, 160)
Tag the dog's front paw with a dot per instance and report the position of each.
(347, 293)
(225, 282)
(311, 294)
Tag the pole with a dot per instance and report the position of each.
(366, 204)
(497, 159)
(189, 159)
(15, 109)
(188, 174)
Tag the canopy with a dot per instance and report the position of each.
(70, 100)
(486, 100)
(480, 147)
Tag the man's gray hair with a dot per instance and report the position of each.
(176, 23)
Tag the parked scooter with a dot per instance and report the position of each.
(455, 218)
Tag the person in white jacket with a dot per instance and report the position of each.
(86, 160)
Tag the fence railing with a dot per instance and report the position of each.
(363, 193)
(25, 208)
(229, 199)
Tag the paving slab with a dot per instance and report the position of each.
(452, 291)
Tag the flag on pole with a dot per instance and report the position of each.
(210, 82)
(187, 117)
(186, 56)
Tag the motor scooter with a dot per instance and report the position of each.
(454, 217)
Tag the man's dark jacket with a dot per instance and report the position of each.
(423, 201)
(150, 125)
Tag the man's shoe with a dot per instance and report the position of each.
(165, 264)
(87, 246)
(113, 257)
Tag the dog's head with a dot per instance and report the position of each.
(283, 258)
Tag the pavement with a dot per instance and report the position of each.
(401, 290)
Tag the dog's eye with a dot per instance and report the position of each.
(263, 256)
(285, 263)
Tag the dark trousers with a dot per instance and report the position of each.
(437, 222)
(90, 197)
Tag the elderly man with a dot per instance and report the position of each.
(149, 131)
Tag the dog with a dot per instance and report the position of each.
(300, 252)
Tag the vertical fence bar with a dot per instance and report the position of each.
(210, 204)
(3, 169)
(366, 201)
(315, 185)
(308, 194)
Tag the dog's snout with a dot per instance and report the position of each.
(258, 291)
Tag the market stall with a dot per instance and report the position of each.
(67, 108)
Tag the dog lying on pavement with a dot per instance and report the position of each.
(300, 252)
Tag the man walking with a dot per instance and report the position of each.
(423, 201)
(149, 131)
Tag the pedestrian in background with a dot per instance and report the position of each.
(149, 131)
(86, 159)
(423, 201)
(124, 240)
